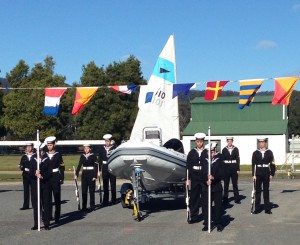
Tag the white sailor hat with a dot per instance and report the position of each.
(200, 136)
(29, 143)
(229, 138)
(36, 145)
(107, 136)
(42, 146)
(212, 146)
(50, 140)
(262, 139)
(87, 145)
(215, 143)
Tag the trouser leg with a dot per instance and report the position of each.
(105, 190)
(226, 187)
(266, 185)
(57, 200)
(258, 192)
(26, 184)
(34, 203)
(113, 181)
(84, 189)
(92, 187)
(195, 199)
(204, 199)
(217, 198)
(47, 204)
(234, 179)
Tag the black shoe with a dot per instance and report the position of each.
(220, 228)
(34, 228)
(255, 212)
(84, 211)
(192, 221)
(237, 202)
(268, 211)
(47, 228)
(104, 204)
(23, 208)
(205, 228)
(56, 220)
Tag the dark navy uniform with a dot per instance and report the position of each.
(231, 158)
(106, 176)
(55, 160)
(263, 166)
(194, 169)
(45, 190)
(89, 165)
(24, 167)
(217, 171)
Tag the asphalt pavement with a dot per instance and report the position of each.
(164, 220)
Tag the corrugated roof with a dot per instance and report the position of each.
(231, 99)
(238, 127)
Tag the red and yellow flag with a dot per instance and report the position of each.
(83, 96)
(214, 89)
(283, 90)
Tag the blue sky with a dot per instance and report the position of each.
(215, 40)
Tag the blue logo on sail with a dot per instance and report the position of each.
(165, 70)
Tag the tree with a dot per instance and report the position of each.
(109, 111)
(23, 108)
(2, 128)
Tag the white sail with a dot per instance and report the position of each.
(157, 108)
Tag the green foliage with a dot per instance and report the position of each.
(23, 108)
(109, 111)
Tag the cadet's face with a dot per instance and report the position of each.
(87, 150)
(213, 153)
(262, 144)
(50, 147)
(229, 143)
(199, 143)
(107, 143)
(28, 148)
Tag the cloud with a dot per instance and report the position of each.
(266, 44)
(124, 57)
(296, 7)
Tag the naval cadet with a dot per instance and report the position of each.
(57, 177)
(44, 173)
(231, 158)
(89, 164)
(263, 170)
(24, 167)
(194, 177)
(105, 152)
(213, 180)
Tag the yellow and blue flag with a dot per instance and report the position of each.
(248, 89)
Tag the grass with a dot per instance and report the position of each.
(11, 162)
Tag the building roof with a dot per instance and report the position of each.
(231, 99)
(224, 117)
(238, 127)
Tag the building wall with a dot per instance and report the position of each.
(247, 145)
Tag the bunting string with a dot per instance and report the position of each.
(283, 89)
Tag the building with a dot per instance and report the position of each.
(261, 119)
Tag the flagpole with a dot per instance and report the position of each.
(38, 180)
(209, 187)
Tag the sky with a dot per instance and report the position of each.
(214, 39)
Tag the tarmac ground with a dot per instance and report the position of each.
(164, 220)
